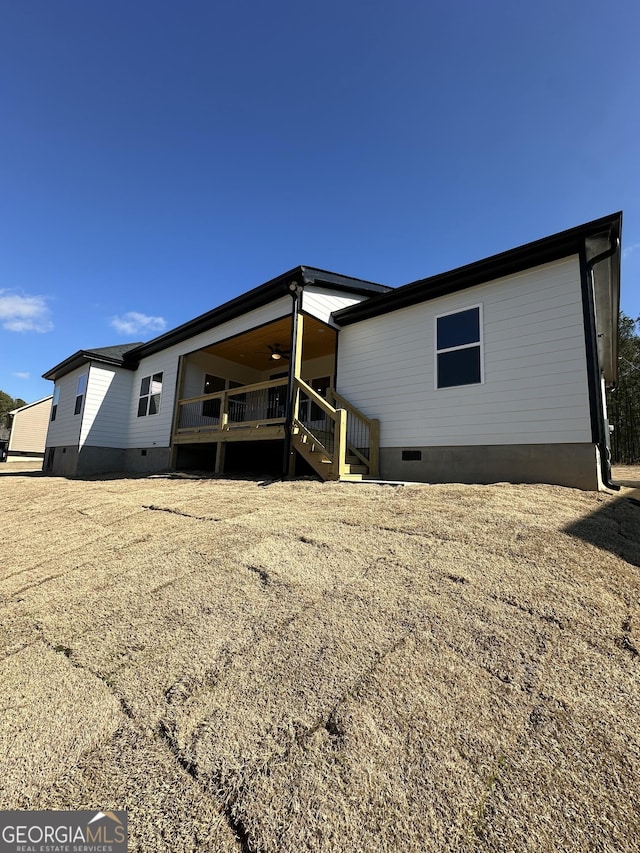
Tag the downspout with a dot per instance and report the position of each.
(602, 443)
(295, 291)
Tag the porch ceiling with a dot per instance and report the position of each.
(252, 348)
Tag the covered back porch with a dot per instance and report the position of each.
(274, 383)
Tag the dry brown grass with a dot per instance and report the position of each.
(627, 475)
(324, 667)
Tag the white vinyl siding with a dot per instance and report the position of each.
(156, 431)
(65, 430)
(322, 303)
(106, 409)
(535, 387)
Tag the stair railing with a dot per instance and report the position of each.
(325, 424)
(363, 433)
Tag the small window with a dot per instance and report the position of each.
(54, 404)
(150, 394)
(80, 392)
(459, 348)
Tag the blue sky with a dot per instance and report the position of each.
(157, 159)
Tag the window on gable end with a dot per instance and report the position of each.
(81, 389)
(459, 348)
(55, 401)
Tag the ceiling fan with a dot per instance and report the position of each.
(276, 352)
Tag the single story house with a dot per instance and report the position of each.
(495, 371)
(29, 427)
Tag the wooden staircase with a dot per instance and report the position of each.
(322, 462)
(327, 443)
(337, 440)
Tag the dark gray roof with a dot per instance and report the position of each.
(116, 352)
(256, 298)
(105, 355)
(128, 355)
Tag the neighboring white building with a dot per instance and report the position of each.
(493, 371)
(29, 431)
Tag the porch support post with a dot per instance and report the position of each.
(220, 454)
(221, 446)
(296, 355)
(340, 444)
(374, 448)
(176, 409)
(295, 364)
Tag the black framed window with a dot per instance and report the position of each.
(81, 389)
(459, 348)
(55, 401)
(150, 395)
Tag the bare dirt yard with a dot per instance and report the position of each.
(286, 667)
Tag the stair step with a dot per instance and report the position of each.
(315, 455)
(318, 455)
(322, 463)
(356, 469)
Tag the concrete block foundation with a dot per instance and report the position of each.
(91, 461)
(573, 465)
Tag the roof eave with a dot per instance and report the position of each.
(606, 284)
(30, 405)
(336, 281)
(249, 301)
(539, 252)
(80, 358)
(256, 298)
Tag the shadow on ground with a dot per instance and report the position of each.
(615, 527)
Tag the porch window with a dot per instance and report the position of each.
(150, 394)
(277, 402)
(212, 384)
(310, 411)
(459, 348)
(81, 389)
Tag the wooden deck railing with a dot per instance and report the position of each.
(254, 405)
